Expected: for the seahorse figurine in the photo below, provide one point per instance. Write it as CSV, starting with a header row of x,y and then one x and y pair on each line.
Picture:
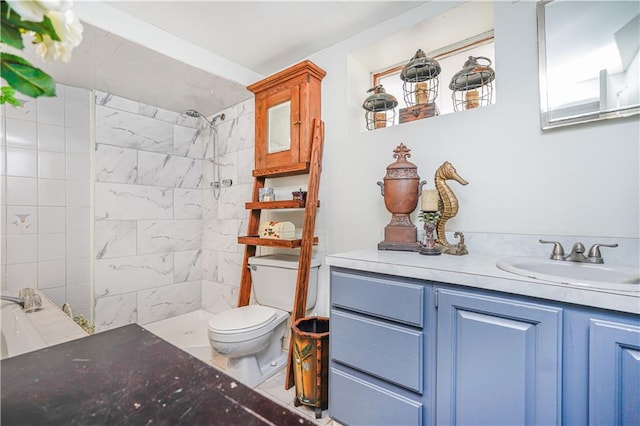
x,y
448,207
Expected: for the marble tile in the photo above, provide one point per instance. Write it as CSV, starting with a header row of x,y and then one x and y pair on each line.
x,y
242,134
187,203
168,116
245,164
168,301
168,235
115,311
232,201
116,102
222,234
169,170
229,267
123,201
210,265
79,296
218,297
126,274
129,130
116,164
187,265
187,142
228,166
114,238
22,220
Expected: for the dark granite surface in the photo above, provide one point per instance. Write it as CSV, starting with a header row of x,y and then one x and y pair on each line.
x,y
127,376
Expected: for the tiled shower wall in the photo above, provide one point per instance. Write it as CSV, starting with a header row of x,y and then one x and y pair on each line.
x,y
46,197
148,212
226,218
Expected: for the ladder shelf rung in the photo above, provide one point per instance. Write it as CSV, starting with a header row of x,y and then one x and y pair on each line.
x,y
254,240
284,204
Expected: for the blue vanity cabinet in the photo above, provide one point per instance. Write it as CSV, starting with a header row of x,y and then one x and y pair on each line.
x,y
614,372
499,360
381,367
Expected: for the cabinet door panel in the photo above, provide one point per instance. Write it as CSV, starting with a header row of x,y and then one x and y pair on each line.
x,y
390,352
614,373
399,301
362,403
498,361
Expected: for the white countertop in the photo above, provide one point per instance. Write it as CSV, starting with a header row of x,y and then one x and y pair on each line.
x,y
480,271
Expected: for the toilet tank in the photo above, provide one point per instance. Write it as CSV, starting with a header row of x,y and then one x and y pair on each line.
x,y
274,280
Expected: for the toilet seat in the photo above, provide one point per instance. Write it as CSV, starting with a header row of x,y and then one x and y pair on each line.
x,y
242,321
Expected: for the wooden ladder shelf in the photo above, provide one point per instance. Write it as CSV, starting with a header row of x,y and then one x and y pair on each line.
x,y
305,243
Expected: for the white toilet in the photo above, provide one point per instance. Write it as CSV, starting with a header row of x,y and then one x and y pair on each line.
x,y
251,336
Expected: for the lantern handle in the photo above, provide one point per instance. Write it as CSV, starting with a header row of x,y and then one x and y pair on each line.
x,y
485,58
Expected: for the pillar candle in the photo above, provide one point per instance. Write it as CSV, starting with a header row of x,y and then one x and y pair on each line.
x,y
429,201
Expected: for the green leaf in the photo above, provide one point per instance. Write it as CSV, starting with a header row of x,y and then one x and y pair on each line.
x,y
7,95
11,36
12,19
26,78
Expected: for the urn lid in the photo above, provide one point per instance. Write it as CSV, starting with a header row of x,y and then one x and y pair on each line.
x,y
402,168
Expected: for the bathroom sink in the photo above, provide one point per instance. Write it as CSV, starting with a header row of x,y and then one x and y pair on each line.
x,y
583,274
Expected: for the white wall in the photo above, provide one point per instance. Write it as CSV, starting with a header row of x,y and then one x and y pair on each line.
x,y
582,180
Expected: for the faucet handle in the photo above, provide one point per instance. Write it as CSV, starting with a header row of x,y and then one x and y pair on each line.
x,y
558,251
594,252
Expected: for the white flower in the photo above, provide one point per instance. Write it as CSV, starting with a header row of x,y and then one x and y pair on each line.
x,y
69,30
34,10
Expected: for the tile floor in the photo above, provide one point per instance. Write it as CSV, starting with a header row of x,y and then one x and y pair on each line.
x,y
273,388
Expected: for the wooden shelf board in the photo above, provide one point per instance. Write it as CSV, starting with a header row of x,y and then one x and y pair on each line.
x,y
292,170
254,240
284,204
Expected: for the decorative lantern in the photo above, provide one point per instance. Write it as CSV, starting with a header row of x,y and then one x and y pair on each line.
x,y
380,108
420,80
473,85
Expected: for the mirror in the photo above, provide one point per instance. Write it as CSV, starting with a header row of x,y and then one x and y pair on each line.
x,y
279,128
588,59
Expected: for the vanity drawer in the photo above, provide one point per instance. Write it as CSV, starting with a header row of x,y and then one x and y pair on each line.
x,y
387,298
353,401
390,352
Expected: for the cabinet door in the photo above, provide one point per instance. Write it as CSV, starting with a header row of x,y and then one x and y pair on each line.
x,y
498,361
614,373
278,127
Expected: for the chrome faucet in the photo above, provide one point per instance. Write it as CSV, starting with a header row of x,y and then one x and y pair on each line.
x,y
577,252
28,299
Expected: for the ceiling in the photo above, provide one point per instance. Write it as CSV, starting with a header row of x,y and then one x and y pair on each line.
x,y
261,36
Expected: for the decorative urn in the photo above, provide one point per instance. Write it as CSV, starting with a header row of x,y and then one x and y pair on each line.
x,y
401,188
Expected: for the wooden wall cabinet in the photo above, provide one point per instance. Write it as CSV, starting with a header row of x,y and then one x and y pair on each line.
x,y
286,104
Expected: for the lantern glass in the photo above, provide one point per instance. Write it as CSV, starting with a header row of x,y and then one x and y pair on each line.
x,y
472,87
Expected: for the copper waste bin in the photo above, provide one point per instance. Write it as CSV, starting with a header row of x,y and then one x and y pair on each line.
x,y
311,362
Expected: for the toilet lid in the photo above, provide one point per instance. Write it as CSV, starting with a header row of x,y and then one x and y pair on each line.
x,y
245,318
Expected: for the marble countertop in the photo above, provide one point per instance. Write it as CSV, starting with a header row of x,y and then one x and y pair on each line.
x,y
128,375
480,271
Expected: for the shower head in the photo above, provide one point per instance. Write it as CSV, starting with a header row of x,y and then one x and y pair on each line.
x,y
195,114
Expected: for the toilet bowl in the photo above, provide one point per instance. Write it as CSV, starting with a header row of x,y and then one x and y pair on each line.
x,y
251,336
